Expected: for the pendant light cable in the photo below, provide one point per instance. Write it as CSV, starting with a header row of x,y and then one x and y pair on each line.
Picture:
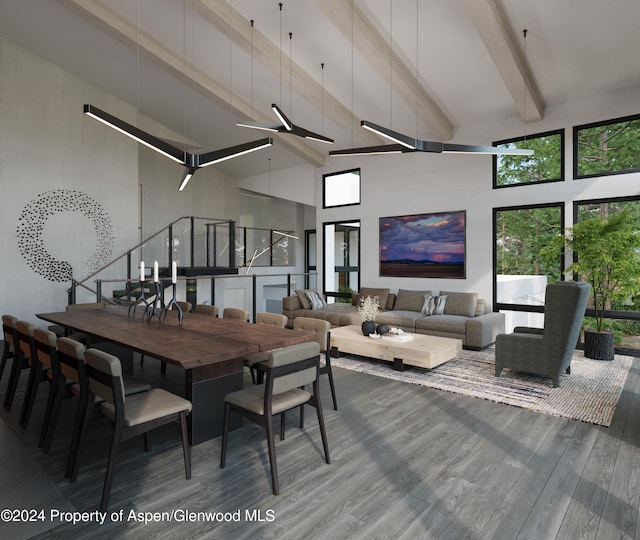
x,y
524,83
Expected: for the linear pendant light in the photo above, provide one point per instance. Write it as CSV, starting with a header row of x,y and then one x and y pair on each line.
x,y
160,146
404,144
285,125
417,145
191,161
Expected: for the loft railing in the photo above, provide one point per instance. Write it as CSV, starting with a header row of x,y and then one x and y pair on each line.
x,y
196,243
253,292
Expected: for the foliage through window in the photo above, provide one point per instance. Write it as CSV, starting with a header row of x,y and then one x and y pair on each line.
x,y
623,320
545,165
522,269
611,147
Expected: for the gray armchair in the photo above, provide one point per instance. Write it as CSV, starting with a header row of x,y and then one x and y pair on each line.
x,y
547,351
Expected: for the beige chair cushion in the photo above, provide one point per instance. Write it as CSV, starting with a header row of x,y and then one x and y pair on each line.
x,y
252,399
184,306
133,385
48,338
272,319
148,406
235,314
319,326
107,363
206,309
10,321
289,355
252,359
27,329
74,349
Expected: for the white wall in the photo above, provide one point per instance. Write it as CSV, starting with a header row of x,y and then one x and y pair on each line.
x,y
423,183
48,145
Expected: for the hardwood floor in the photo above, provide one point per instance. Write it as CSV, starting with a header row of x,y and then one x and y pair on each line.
x,y
406,462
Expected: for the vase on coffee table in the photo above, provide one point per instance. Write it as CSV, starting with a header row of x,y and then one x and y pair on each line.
x,y
368,327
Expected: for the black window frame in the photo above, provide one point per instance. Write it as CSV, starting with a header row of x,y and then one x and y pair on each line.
x,y
497,306
337,173
560,132
576,129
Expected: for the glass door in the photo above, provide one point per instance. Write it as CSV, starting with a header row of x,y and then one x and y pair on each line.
x,y
341,257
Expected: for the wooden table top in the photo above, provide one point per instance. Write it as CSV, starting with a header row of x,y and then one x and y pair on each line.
x,y
201,340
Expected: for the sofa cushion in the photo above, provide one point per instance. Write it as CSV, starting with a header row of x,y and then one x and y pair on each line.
x,y
443,324
302,296
463,304
382,294
481,307
400,318
434,305
410,300
316,300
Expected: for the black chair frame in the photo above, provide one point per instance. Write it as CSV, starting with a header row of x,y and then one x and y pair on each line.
x,y
266,420
122,433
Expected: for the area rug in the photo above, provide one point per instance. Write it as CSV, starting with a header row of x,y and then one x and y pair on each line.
x,y
590,393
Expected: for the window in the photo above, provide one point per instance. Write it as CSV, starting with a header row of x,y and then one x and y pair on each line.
x,y
341,189
623,316
341,257
603,148
545,165
522,270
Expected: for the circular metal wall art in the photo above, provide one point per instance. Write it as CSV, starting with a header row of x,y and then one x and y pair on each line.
x,y
31,227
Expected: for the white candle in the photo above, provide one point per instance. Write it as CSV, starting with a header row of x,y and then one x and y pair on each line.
x,y
141,270
174,272
155,272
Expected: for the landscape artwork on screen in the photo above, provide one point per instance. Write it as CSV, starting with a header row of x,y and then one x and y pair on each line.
x,y
423,245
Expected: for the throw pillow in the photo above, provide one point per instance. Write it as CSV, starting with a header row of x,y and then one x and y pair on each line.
x,y
316,300
382,294
434,305
410,300
302,296
463,304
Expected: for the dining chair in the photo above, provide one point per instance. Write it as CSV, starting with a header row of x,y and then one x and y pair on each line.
x,y
236,314
322,331
24,349
206,309
286,370
10,340
134,415
250,360
70,356
184,306
42,369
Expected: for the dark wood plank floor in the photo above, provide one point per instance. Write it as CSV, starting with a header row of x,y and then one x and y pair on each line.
x,y
407,462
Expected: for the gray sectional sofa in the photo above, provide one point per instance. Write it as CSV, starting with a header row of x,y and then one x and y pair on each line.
x,y
464,316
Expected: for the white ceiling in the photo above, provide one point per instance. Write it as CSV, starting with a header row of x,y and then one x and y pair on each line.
x,y
464,52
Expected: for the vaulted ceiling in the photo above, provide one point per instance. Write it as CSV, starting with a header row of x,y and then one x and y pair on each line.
x,y
422,67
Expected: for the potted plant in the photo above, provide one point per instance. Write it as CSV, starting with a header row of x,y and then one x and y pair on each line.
x,y
368,311
606,252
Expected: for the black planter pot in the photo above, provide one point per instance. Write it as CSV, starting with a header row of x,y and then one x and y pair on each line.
x,y
599,345
368,327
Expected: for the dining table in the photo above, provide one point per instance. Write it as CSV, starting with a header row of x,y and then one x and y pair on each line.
x,y
210,350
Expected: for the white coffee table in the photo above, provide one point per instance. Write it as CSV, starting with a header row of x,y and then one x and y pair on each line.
x,y
422,350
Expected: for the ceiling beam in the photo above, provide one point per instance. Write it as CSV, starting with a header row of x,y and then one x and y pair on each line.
x,y
377,51
217,13
126,32
489,18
